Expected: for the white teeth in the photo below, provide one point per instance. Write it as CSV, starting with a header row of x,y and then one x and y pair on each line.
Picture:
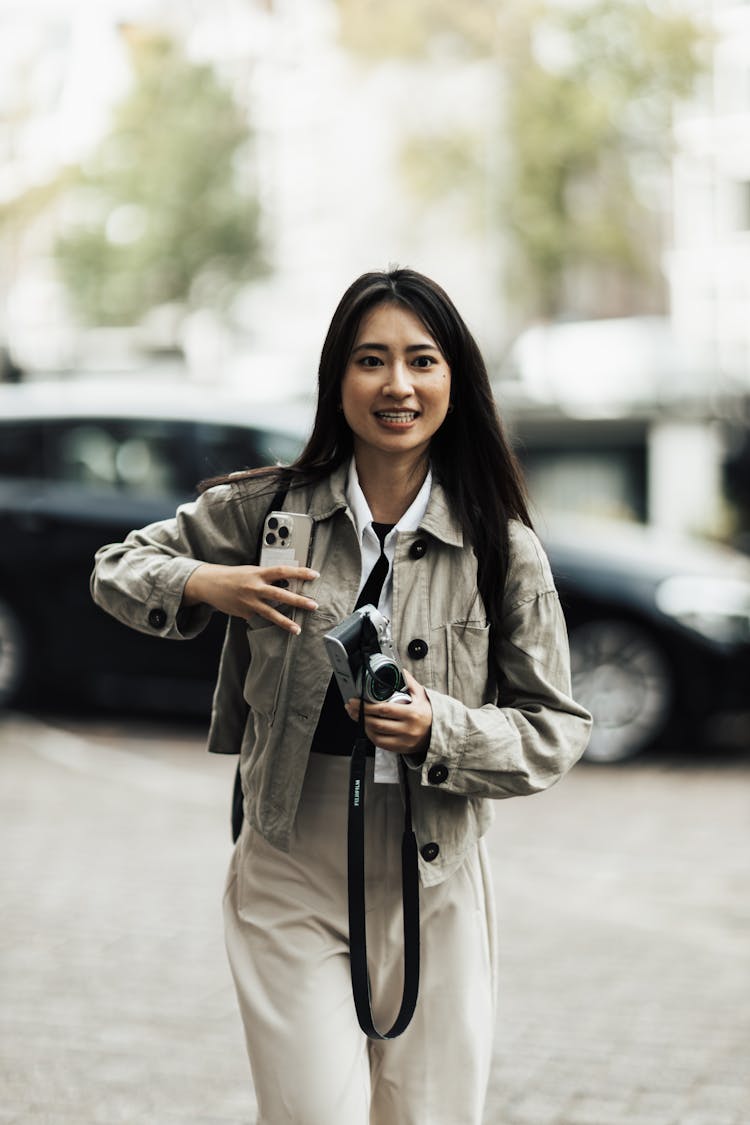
x,y
397,415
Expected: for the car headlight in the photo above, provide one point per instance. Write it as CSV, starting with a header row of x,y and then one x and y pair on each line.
x,y
717,608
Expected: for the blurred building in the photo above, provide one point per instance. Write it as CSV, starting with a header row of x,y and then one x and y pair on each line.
x,y
709,266
643,417
613,420
60,70
649,418
329,134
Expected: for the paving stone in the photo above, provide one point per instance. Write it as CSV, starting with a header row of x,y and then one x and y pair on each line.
x,y
622,909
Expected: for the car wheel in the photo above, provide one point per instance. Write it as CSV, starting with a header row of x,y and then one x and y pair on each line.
x,y
622,677
13,655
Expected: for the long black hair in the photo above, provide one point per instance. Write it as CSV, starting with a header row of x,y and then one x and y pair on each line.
x,y
470,453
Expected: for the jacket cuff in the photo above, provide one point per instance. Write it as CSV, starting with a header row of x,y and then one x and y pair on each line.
x,y
447,741
163,613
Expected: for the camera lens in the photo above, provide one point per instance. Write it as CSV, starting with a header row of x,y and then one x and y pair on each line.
x,y
283,532
273,523
383,678
270,538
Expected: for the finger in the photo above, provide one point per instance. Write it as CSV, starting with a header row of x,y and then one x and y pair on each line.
x,y
412,684
383,724
275,618
385,728
286,597
286,623
393,712
287,573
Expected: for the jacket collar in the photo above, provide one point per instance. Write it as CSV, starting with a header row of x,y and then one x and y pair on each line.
x,y
330,496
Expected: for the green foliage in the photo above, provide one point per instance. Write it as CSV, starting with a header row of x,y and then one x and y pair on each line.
x,y
579,117
588,96
432,166
377,29
166,212
22,210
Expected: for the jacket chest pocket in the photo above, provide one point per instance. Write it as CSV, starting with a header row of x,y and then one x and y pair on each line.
x,y
275,654
269,652
467,654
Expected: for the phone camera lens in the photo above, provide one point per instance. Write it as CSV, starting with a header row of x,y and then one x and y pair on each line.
x,y
283,532
273,523
270,538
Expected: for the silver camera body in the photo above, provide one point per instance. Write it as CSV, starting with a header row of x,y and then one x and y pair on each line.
x,y
364,658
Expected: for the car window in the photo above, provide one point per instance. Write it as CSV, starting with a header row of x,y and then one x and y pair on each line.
x,y
141,457
21,450
137,456
224,449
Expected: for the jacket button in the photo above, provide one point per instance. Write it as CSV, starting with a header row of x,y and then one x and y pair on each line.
x,y
418,649
157,618
436,775
430,852
418,549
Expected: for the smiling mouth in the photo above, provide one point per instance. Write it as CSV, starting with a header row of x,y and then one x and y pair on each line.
x,y
397,415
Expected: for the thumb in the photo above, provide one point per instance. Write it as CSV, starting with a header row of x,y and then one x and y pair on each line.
x,y
412,684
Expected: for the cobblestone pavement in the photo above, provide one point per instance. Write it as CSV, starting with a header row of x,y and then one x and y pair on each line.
x,y
623,900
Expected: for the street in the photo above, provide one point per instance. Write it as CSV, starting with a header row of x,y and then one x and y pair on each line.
x,y
623,898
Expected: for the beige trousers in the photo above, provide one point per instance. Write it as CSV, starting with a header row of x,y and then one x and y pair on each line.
x,y
287,940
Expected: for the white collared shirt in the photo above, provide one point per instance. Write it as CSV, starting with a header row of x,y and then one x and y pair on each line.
x,y
386,763
368,540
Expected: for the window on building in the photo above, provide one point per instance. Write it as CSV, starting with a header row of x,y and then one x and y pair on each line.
x,y
742,207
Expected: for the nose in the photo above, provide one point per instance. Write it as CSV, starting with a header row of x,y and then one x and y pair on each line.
x,y
398,382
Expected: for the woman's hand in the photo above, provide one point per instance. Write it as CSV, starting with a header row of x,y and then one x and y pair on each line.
x,y
403,728
241,591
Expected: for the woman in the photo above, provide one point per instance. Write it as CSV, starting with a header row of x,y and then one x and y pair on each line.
x,y
407,459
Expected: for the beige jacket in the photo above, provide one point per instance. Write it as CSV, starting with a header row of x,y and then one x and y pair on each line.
x,y
478,750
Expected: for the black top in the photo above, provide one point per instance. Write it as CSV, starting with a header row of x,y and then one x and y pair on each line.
x,y
336,732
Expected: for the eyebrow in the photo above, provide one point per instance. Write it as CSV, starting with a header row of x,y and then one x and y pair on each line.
x,y
385,348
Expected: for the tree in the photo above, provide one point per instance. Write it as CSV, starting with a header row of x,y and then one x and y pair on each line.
x,y
590,94
379,29
163,210
587,92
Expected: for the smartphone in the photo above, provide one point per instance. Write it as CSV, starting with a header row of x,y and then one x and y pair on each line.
x,y
287,541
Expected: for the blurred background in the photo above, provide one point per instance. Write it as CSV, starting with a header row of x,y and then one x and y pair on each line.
x,y
186,189
185,192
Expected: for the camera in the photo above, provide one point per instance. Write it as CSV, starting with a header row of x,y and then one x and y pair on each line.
x,y
363,657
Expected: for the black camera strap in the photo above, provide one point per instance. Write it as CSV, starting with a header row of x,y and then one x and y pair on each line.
x,y
409,890
356,855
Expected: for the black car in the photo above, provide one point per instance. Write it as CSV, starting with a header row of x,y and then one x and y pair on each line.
x,y
659,630
82,463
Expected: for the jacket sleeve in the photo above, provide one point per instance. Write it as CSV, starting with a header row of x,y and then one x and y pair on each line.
x,y
141,580
536,735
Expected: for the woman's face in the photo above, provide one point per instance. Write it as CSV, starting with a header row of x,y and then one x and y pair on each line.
x,y
395,391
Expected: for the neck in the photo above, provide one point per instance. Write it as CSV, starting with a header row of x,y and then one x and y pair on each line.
x,y
390,485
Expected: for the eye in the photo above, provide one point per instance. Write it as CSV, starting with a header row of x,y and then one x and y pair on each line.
x,y
371,361
425,361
